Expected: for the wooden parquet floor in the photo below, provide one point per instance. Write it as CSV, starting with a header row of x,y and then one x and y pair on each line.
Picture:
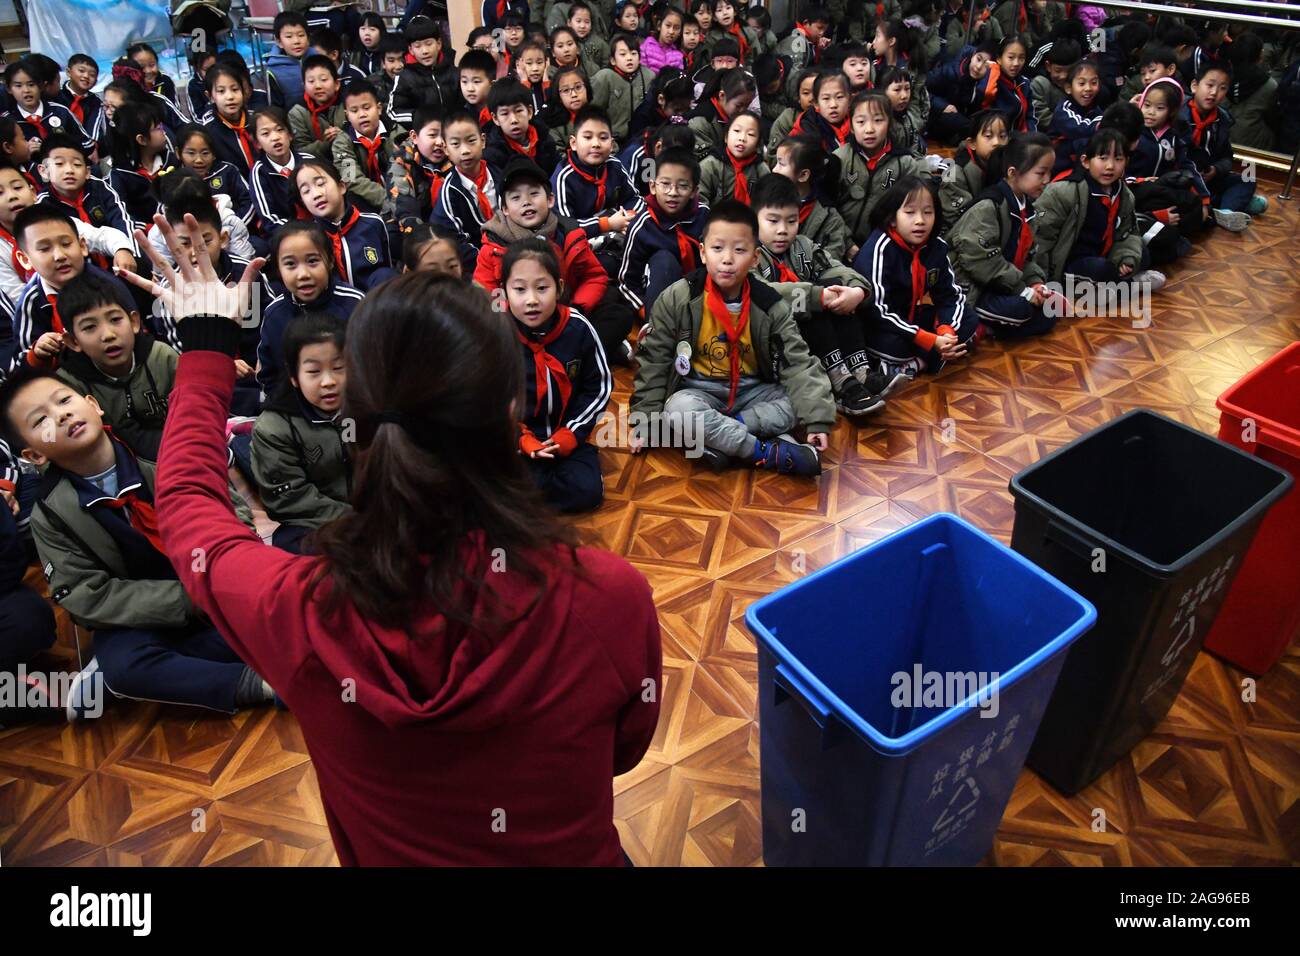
x,y
1217,783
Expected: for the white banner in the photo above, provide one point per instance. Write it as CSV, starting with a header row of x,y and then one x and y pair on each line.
x,y
99,28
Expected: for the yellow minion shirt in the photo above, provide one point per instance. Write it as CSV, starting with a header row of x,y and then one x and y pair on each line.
x,y
712,354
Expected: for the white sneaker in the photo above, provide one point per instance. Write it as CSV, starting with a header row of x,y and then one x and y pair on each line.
x,y
1232,221
1151,278
85,688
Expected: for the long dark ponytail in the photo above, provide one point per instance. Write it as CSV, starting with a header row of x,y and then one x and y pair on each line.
x,y
441,499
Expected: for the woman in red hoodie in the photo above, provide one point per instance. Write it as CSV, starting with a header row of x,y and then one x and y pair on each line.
x,y
467,681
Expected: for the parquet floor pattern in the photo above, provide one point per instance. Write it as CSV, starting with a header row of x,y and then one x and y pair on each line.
x,y
1217,783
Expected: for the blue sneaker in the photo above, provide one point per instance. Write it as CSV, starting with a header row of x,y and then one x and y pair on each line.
x,y
1258,205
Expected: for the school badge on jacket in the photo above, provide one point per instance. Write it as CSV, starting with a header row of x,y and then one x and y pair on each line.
x,y
371,254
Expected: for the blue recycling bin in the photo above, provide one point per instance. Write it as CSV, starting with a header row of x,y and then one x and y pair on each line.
x,y
899,691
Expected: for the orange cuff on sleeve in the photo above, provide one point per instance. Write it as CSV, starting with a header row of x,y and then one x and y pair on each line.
x,y
566,440
925,339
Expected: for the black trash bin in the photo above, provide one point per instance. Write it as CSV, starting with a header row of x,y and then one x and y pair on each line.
x,y
1149,520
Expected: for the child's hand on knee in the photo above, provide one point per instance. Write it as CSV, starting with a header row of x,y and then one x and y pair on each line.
x,y
819,440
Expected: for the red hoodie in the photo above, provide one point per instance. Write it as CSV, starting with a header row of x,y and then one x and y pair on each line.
x,y
452,752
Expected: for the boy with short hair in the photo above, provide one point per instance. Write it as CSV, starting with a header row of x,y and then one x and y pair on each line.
x,y
470,196
477,72
392,61
803,47
1155,61
512,38
430,80
1209,131
590,185
97,536
109,356
50,246
77,94
823,294
418,171
663,241
285,67
515,129
17,194
724,349
1052,86
65,169
366,149
319,117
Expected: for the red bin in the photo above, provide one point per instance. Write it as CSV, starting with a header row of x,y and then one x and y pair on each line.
x,y
1261,615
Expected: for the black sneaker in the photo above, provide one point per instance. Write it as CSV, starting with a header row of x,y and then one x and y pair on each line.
x,y
851,398
787,457
888,379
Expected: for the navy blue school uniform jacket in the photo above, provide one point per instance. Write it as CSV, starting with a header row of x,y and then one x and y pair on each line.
x,y
586,194
584,374
1015,100
51,118
230,268
136,187
198,93
888,266
99,205
339,300
1163,152
1071,128
35,313
651,232
1208,143
236,146
639,162
172,117
271,190
458,209
360,243
85,107
540,148
226,179
950,84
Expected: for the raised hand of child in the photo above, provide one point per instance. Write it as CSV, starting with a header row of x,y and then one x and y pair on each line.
x,y
197,290
48,347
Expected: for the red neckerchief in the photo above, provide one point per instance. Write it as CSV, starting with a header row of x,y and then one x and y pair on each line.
x,y
436,179
480,181
817,51
241,131
722,114
78,202
824,129
56,321
316,112
484,116
597,181
36,187
139,514
1026,238
1201,124
1112,213
36,120
875,159
528,149
741,188
76,108
739,34
991,80
1022,20
783,272
687,248
918,274
1022,119
7,236
336,234
805,209
733,328
975,159
374,149
544,361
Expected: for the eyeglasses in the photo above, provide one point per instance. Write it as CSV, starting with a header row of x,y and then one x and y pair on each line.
x,y
672,188
571,90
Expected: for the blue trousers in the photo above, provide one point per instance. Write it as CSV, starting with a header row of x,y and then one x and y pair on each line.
x,y
572,483
887,341
1012,316
1101,269
1231,192
190,665
26,626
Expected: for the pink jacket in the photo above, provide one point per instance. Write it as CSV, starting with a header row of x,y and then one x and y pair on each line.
x,y
656,56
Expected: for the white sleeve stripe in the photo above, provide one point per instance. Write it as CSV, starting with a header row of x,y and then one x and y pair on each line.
x,y
627,260
606,384
878,285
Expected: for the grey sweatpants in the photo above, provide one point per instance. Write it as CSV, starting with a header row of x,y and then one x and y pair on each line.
x,y
763,408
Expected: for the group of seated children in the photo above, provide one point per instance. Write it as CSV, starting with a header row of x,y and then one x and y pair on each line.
x,y
756,223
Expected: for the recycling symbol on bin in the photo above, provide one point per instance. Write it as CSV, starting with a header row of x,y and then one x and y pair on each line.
x,y
962,799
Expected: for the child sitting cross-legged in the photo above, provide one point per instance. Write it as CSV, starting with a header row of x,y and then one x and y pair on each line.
x,y
97,536
300,458
723,350
567,381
